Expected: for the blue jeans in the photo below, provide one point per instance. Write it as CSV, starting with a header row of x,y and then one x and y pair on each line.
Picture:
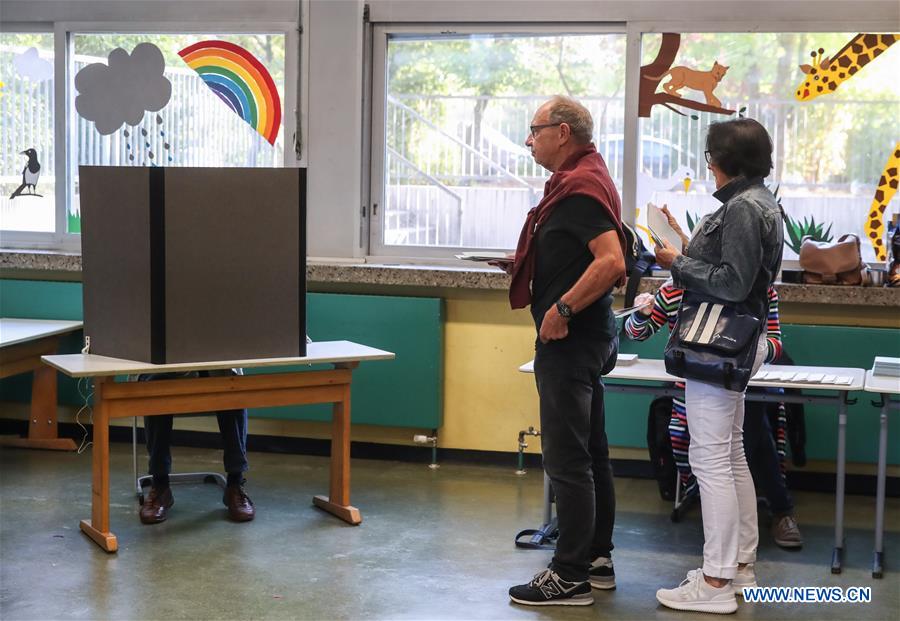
x,y
158,429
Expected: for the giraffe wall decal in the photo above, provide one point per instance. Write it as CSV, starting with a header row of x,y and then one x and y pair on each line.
x,y
823,77
826,74
887,187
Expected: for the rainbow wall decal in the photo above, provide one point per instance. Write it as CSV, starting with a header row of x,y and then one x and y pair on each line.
x,y
240,80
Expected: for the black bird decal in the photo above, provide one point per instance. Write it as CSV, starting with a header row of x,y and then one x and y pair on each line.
x,y
30,174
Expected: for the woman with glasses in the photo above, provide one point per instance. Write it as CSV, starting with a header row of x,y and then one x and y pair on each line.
x,y
733,256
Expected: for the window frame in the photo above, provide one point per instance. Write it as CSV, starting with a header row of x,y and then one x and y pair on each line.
x,y
638,28
295,75
371,234
373,165
41,240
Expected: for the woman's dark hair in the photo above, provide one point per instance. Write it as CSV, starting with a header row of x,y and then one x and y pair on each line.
x,y
740,147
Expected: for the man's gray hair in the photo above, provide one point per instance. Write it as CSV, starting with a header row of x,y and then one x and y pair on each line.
x,y
566,110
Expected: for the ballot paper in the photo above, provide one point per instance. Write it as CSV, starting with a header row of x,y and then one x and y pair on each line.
x,y
843,379
500,257
829,379
623,360
659,224
801,377
816,377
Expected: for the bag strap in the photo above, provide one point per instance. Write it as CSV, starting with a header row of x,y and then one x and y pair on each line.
x,y
634,280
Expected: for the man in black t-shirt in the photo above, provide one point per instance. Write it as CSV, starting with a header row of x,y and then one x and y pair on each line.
x,y
571,254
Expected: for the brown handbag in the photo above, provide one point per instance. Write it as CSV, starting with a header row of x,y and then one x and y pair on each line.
x,y
838,263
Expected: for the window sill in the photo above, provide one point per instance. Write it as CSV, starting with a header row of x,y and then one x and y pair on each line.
x,y
56,265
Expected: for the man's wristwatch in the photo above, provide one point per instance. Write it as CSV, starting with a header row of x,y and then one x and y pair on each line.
x,y
564,309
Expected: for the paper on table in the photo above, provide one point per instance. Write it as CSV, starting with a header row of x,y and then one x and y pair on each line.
x,y
626,359
816,377
829,379
657,221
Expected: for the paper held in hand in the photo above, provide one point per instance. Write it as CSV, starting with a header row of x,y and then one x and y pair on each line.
x,y
625,312
500,257
659,224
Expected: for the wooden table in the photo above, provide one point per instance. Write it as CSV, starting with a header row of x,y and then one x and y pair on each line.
x,y
22,343
645,370
886,386
203,394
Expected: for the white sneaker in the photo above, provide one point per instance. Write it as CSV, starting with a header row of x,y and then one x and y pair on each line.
x,y
694,593
745,578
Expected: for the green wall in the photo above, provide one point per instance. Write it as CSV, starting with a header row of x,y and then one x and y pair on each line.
x,y
404,392
408,391
807,345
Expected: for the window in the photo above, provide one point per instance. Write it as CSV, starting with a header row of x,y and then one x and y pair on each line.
x,y
27,159
231,103
224,118
450,165
829,150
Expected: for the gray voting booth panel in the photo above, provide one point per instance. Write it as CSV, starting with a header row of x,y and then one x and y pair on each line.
x,y
194,264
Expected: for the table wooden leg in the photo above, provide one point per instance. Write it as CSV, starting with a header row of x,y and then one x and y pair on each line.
x,y
42,424
338,501
97,528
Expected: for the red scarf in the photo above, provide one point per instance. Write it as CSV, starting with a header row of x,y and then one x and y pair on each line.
x,y
585,173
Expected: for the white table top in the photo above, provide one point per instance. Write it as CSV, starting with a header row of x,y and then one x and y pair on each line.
x,y
884,384
325,352
655,371
15,331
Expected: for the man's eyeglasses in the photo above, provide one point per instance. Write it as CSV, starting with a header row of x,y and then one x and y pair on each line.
x,y
708,156
534,129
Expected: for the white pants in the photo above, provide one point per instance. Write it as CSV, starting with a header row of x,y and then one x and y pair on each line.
x,y
727,498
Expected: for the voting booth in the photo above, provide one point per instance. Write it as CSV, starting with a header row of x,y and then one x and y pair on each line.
x,y
194,264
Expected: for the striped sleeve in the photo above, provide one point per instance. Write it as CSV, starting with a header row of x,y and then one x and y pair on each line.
x,y
773,328
640,327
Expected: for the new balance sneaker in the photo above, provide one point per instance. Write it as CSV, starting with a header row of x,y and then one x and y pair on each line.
x,y
602,575
548,589
694,593
745,578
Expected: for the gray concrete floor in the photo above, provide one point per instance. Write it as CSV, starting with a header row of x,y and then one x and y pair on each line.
x,y
432,545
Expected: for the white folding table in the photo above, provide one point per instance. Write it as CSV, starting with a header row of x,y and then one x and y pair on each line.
x,y
22,343
645,370
205,394
885,386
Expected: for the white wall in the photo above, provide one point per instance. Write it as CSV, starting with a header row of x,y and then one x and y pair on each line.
x,y
335,127
185,11
695,12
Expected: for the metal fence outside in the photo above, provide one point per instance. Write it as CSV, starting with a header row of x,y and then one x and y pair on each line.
x,y
448,175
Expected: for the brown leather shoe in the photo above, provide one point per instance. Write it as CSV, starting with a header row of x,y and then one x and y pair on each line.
x,y
786,532
240,507
156,506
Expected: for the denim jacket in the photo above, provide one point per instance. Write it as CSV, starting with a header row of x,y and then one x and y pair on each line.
x,y
735,252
